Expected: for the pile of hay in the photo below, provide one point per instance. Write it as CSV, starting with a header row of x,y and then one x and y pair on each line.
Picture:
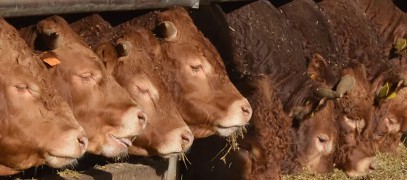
x,y
388,167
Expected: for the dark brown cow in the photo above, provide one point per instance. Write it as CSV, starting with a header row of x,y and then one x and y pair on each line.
x,y
37,126
205,97
391,114
350,40
109,116
314,143
261,52
391,23
279,54
387,18
135,69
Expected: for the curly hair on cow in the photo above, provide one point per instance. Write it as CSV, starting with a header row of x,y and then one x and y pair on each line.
x,y
271,128
292,163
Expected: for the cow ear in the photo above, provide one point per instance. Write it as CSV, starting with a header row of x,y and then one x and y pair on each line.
x,y
317,67
49,37
166,30
107,53
303,111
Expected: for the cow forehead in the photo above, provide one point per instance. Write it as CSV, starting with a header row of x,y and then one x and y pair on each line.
x,y
79,59
144,82
193,56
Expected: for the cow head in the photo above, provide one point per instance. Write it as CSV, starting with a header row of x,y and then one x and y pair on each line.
x,y
391,115
137,71
314,131
109,116
390,92
353,112
356,159
315,139
37,126
206,99
355,116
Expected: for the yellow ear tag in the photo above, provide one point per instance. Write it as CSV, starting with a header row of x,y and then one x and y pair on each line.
x,y
384,91
392,95
52,61
401,44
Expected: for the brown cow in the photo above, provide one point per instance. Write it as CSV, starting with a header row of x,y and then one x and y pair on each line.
x,y
278,56
134,68
37,126
109,116
250,160
204,95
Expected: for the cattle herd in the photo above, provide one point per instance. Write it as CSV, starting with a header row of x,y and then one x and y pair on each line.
x,y
325,84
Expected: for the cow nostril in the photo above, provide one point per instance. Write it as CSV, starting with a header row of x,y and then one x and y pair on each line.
x,y
186,140
247,110
83,143
142,119
372,166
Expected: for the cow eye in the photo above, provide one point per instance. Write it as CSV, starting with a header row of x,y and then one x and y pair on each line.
x,y
21,87
392,121
196,68
143,90
86,76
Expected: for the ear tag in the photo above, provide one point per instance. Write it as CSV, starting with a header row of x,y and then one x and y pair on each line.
x,y
384,91
392,95
401,44
50,60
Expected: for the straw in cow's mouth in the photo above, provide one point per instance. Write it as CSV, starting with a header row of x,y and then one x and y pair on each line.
x,y
232,143
182,157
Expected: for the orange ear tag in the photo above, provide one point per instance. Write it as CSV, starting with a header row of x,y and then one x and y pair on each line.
x,y
52,61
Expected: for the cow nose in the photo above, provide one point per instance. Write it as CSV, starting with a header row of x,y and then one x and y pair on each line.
x,y
247,110
142,117
186,140
372,166
83,143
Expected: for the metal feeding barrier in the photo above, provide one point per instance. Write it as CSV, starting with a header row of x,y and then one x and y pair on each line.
x,y
17,8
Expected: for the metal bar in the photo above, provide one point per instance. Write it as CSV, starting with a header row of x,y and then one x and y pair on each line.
x,y
206,2
14,8
172,170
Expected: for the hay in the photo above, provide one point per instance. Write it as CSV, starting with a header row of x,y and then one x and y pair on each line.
x,y
389,167
231,144
182,157
68,173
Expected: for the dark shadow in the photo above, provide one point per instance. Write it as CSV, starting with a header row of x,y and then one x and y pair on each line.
x,y
98,174
401,4
231,6
278,3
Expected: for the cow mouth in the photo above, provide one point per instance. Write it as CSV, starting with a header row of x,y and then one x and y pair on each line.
x,y
226,131
170,155
125,141
59,161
